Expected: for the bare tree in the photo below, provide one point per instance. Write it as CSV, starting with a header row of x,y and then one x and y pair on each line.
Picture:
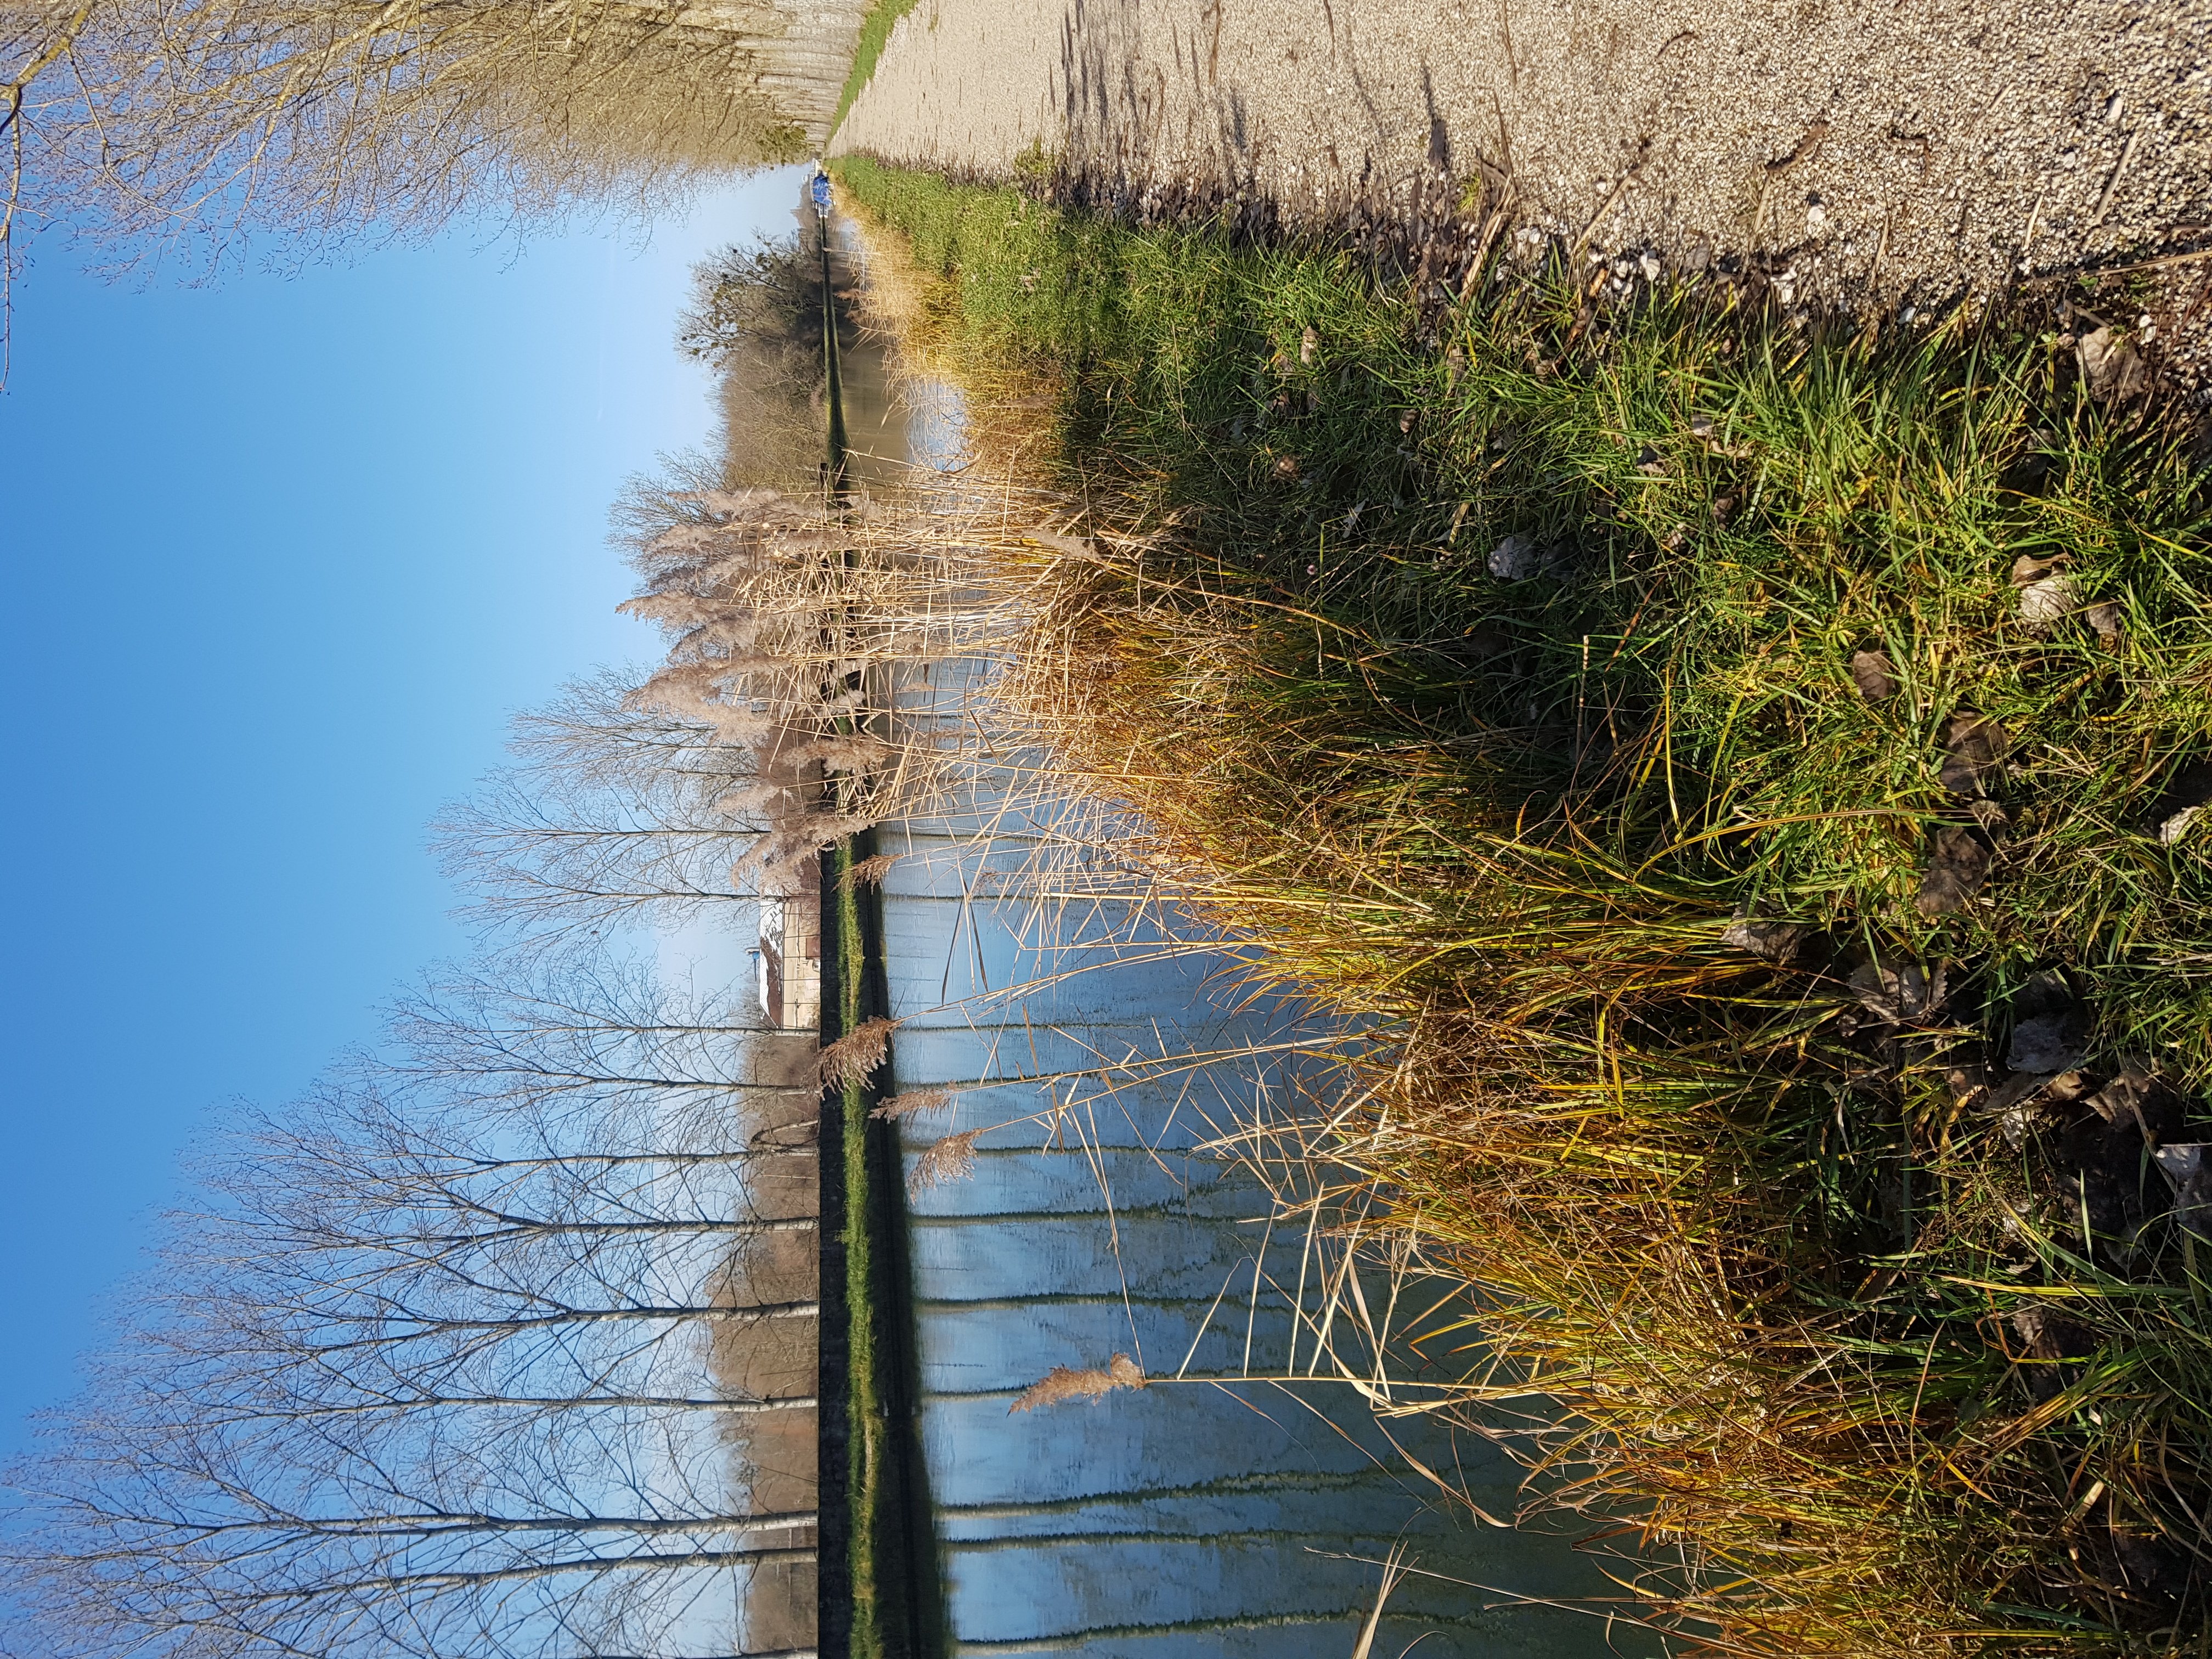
x,y
495,1348
596,730
161,1532
763,298
550,1038
443,1365
612,815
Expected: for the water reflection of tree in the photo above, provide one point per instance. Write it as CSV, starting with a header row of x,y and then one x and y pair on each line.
x,y
755,316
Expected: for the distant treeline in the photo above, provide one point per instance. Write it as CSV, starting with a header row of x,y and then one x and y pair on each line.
x,y
756,318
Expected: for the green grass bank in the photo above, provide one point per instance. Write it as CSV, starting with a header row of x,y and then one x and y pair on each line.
x,y
878,1573
1750,766
875,34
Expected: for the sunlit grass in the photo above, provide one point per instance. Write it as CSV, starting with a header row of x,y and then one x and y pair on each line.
x,y
1489,666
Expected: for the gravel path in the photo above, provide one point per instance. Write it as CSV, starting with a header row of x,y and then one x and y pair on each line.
x,y
1904,148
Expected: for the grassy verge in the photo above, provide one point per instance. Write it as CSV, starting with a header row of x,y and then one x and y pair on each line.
x,y
879,1572
1749,768
861,1188
875,33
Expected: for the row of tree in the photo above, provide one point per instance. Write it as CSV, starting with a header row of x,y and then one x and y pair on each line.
x,y
500,1342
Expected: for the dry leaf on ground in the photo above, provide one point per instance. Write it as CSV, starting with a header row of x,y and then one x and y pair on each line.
x,y
2111,365
2044,605
1777,941
1515,559
1972,746
1899,995
1957,865
1873,674
2189,1173
2048,1043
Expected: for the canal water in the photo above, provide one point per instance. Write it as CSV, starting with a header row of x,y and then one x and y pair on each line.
x,y
1241,1502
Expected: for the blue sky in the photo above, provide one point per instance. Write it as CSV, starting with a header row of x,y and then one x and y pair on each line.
x,y
282,556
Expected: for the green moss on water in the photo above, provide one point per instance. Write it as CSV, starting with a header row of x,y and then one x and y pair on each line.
x,y
864,1495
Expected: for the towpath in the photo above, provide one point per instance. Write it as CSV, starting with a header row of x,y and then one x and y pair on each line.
x,y
1905,149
